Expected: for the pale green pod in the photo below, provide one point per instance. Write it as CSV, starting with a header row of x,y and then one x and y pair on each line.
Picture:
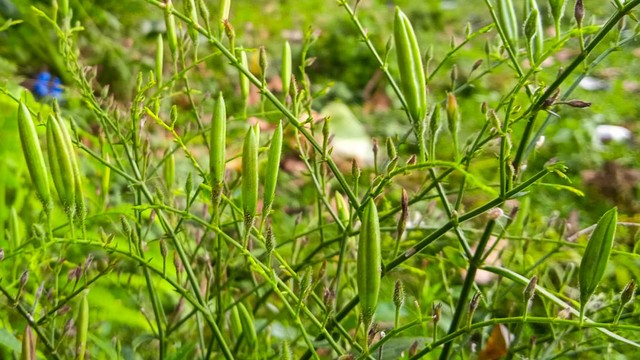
x,y
33,155
159,59
225,7
82,328
28,345
217,146
537,41
369,262
60,165
248,328
234,321
411,69
508,21
342,208
80,207
286,68
596,256
170,23
192,11
244,81
273,166
250,175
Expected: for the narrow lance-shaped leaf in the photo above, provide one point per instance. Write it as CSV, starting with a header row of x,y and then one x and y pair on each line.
x,y
273,165
33,155
369,262
596,256
411,69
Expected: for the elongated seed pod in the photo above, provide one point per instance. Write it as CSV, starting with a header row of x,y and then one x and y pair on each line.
x,y
60,165
170,23
250,176
537,39
273,165
411,69
192,12
82,328
342,208
508,21
169,169
33,155
248,328
286,68
244,81
596,256
80,207
225,7
159,59
234,321
369,262
28,345
217,147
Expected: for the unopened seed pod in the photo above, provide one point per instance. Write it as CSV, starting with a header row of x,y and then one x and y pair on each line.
x,y
286,68
159,59
369,262
596,256
192,12
234,321
342,208
411,69
80,207
225,7
250,176
273,165
538,38
248,328
204,13
508,21
170,23
60,164
244,81
82,328
218,145
28,345
169,168
33,155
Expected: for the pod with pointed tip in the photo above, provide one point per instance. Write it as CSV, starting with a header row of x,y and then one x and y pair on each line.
x,y
217,146
248,328
28,345
60,165
273,165
82,328
286,68
369,262
33,155
412,75
250,175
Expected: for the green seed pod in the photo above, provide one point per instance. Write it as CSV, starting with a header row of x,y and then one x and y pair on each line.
x,y
263,60
273,165
596,256
28,345
205,14
170,23
557,9
218,145
61,165
342,208
80,207
508,21
398,294
191,11
285,352
248,328
33,155
82,328
14,228
159,59
369,263
225,7
286,68
538,39
169,169
250,176
244,81
411,70
391,149
234,321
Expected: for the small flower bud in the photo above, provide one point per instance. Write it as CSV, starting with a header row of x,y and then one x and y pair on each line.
x,y
391,149
578,12
628,292
530,290
398,294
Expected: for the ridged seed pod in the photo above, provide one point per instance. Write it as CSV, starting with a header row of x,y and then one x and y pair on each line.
x,y
369,262
28,345
217,147
273,165
248,328
250,176
33,155
60,165
410,65
82,328
80,207
286,68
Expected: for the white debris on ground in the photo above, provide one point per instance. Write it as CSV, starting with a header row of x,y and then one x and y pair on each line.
x,y
611,133
350,137
593,84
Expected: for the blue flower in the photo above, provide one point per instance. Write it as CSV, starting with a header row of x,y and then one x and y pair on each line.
x,y
44,86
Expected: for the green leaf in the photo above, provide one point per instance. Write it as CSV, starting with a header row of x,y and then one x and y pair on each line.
x,y
596,256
